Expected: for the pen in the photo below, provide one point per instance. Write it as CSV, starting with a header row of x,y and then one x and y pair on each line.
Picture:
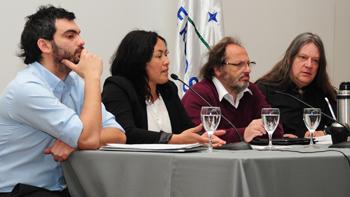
x,y
330,108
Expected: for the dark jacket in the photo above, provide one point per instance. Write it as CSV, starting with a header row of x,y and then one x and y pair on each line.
x,y
291,110
129,108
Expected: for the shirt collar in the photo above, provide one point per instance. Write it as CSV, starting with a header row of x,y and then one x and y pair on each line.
x,y
52,80
149,102
223,93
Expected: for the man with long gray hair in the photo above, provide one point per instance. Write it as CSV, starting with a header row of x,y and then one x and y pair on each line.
x,y
301,73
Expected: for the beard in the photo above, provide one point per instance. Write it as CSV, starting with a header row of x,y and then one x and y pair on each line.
x,y
233,83
59,54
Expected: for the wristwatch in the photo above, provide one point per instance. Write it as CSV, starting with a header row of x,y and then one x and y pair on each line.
x,y
165,137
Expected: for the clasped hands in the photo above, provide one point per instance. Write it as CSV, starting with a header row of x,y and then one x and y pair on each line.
x,y
59,150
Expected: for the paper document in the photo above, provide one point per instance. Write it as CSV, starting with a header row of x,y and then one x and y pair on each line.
x,y
154,147
275,147
326,139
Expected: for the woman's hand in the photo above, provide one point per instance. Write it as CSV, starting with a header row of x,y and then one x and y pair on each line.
x,y
216,141
188,136
191,135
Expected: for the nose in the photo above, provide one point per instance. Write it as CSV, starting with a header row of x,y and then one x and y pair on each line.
x,y
308,63
166,60
81,42
247,68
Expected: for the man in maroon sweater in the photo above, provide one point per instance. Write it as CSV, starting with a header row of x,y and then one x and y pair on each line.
x,y
226,84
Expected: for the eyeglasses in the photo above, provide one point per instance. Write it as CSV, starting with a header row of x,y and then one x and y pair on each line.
x,y
241,64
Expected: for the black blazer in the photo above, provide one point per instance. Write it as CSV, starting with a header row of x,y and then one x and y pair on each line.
x,y
129,108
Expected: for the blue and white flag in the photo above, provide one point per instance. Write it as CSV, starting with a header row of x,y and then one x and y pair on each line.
x,y
199,26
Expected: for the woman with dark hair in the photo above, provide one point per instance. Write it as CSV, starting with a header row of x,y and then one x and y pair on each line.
x,y
301,73
143,99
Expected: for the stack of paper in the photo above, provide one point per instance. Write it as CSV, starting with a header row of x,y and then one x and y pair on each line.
x,y
154,147
326,139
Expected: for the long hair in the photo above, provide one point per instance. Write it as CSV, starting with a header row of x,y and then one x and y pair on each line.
x,y
131,57
279,76
40,25
217,56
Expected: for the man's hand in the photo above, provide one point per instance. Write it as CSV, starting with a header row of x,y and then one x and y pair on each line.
x,y
288,135
59,150
89,66
255,128
316,134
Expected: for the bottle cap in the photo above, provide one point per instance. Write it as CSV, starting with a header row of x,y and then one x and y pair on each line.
x,y
344,86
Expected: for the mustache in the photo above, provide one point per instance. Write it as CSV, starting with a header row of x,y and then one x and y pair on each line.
x,y
79,50
244,75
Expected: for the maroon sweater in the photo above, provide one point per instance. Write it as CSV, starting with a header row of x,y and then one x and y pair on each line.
x,y
249,108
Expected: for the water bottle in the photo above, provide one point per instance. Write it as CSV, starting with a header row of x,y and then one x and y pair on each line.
x,y
343,103
340,133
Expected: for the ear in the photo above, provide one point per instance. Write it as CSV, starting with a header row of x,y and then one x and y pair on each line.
x,y
44,45
218,71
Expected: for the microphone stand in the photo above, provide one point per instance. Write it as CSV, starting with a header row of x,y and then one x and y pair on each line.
x,y
241,145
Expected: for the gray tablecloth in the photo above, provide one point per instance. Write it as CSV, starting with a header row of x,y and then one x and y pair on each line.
x,y
219,174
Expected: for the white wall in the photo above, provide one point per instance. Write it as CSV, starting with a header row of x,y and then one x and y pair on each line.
x,y
265,27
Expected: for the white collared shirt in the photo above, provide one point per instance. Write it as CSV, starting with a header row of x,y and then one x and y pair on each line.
x,y
158,116
223,93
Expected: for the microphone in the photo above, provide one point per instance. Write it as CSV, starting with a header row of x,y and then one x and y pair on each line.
x,y
335,135
242,145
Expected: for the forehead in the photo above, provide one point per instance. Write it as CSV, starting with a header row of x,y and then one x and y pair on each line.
x,y
64,25
160,45
310,49
235,52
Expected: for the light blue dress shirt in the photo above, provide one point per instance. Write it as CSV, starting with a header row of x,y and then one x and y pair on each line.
x,y
35,109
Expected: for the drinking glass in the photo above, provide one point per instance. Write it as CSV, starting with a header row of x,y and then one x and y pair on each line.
x,y
270,117
210,117
312,118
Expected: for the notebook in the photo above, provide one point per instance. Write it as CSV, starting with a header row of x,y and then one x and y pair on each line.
x,y
282,141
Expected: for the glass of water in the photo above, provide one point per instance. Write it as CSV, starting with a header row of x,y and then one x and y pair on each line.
x,y
312,118
271,118
210,117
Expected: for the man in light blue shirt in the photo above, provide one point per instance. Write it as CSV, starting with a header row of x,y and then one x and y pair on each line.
x,y
51,107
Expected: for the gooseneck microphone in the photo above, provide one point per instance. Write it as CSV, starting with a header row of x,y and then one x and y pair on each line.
x,y
303,102
175,77
242,145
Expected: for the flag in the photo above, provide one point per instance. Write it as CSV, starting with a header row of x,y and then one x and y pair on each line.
x,y
199,26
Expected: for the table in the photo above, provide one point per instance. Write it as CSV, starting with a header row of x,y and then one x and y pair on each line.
x,y
249,173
